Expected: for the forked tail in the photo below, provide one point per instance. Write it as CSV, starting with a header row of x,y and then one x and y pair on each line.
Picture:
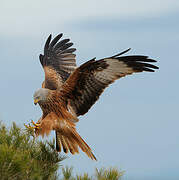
x,y
70,140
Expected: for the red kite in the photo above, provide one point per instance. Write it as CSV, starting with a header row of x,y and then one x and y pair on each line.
x,y
69,91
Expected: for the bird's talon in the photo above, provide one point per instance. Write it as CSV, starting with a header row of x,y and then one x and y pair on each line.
x,y
35,125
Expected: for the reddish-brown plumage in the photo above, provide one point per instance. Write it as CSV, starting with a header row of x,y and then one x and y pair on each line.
x,y
72,91
57,117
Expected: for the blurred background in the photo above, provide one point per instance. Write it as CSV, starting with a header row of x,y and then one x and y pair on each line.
x,y
134,125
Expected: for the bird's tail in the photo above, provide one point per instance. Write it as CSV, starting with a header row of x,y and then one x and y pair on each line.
x,y
70,141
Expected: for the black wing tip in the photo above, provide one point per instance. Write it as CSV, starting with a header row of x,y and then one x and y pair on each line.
x,y
148,59
41,58
143,69
55,40
50,36
154,67
143,66
148,69
66,40
60,34
119,54
149,66
141,57
47,43
139,63
49,39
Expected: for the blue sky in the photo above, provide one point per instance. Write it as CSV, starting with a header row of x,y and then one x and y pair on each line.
x,y
134,125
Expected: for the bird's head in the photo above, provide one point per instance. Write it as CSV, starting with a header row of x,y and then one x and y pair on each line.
x,y
40,95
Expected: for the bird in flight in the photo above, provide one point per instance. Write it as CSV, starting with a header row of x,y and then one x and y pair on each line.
x,y
69,91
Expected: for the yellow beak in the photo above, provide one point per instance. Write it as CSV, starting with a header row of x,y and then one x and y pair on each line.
x,y
36,101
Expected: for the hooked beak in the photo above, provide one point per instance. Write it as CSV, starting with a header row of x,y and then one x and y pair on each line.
x,y
36,101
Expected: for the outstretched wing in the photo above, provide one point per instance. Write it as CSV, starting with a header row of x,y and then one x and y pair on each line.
x,y
87,82
58,61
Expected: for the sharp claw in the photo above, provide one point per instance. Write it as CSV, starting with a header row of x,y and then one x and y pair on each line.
x,y
35,125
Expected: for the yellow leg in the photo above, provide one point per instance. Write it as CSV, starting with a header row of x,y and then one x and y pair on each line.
x,y
35,125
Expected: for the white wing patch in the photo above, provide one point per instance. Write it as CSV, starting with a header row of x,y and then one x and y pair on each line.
x,y
115,70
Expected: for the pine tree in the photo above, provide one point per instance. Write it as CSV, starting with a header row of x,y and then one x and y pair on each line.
x,y
23,157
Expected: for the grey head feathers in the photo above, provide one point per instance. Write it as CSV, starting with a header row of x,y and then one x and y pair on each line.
x,y
41,94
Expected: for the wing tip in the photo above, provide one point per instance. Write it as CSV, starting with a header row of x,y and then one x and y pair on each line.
x,y
119,54
41,59
55,40
47,43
